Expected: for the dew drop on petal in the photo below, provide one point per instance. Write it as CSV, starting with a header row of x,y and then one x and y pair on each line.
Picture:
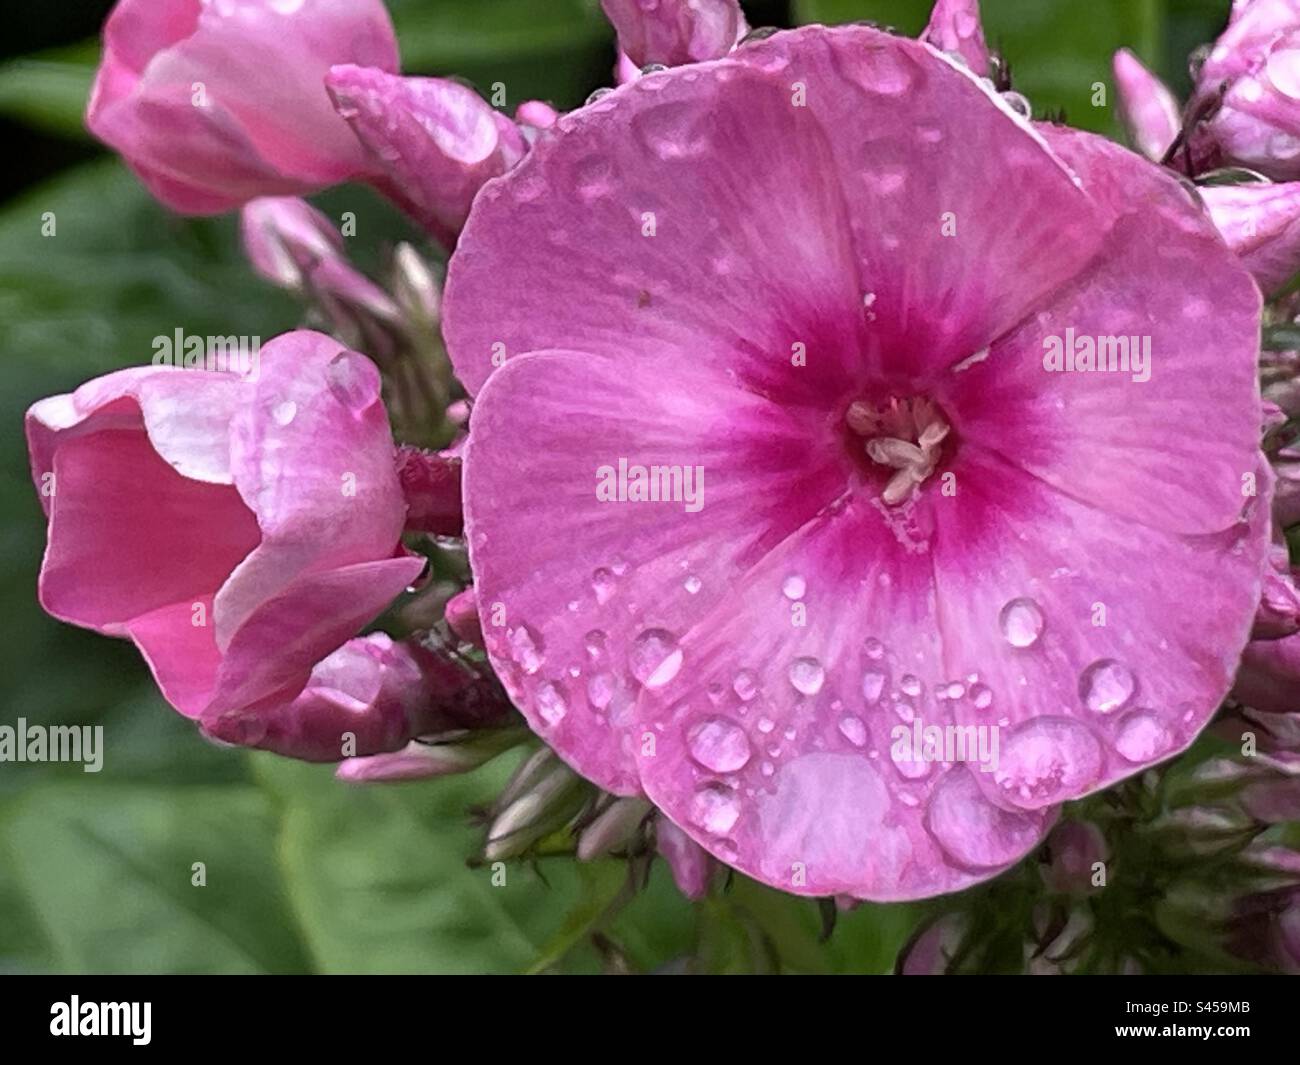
x,y
1021,622
807,675
874,648
793,587
655,658
550,703
285,412
1143,737
853,730
603,585
353,380
745,685
523,649
715,809
766,725
1107,686
981,695
693,584
600,690
594,641
910,685
873,683
719,745
1047,760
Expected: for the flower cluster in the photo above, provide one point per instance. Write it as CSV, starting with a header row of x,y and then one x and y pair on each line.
x,y
837,469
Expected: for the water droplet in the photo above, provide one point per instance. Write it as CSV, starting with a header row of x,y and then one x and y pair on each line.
x,y
745,685
523,649
981,695
767,769
853,730
1143,737
1047,760
693,584
597,94
719,745
1107,686
594,641
807,675
766,725
874,648
603,585
549,701
873,683
1283,68
285,412
793,587
353,380
600,690
911,685
655,658
715,809
955,689
1022,622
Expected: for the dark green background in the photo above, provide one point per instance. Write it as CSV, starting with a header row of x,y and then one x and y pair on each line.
x,y
303,874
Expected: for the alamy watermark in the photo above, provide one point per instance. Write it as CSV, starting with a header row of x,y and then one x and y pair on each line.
x,y
631,483
1075,353
919,742
53,743
223,354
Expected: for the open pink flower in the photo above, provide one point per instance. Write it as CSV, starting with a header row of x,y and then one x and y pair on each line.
x,y
213,104
778,279
238,529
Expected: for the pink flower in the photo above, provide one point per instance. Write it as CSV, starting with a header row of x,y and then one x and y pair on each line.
x,y
673,32
778,279
1149,110
370,696
955,28
438,141
213,104
1261,223
1249,84
238,529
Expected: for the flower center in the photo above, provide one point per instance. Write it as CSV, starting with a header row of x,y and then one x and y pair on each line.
x,y
903,434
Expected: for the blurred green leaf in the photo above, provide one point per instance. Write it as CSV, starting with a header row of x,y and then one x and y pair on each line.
x,y
109,871
49,90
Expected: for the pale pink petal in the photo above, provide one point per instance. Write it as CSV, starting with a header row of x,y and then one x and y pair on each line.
x,y
675,31
955,27
1149,110
1261,223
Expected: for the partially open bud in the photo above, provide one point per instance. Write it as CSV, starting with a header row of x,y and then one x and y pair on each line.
x,y
955,28
613,829
431,484
673,32
431,758
1076,853
1147,108
545,806
1279,605
461,614
691,865
285,237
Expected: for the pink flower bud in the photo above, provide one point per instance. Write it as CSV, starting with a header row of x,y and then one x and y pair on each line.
x,y
673,32
1261,223
238,528
431,484
462,617
1279,605
284,236
1249,85
1150,112
1073,850
691,865
955,28
437,140
213,105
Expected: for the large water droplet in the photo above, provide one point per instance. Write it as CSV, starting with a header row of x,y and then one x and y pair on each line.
x,y
715,809
1022,622
807,675
550,703
1047,760
1143,737
794,587
693,584
353,380
1107,686
719,745
655,658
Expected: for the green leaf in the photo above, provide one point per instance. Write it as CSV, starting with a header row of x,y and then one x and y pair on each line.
x,y
49,90
378,878
109,872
